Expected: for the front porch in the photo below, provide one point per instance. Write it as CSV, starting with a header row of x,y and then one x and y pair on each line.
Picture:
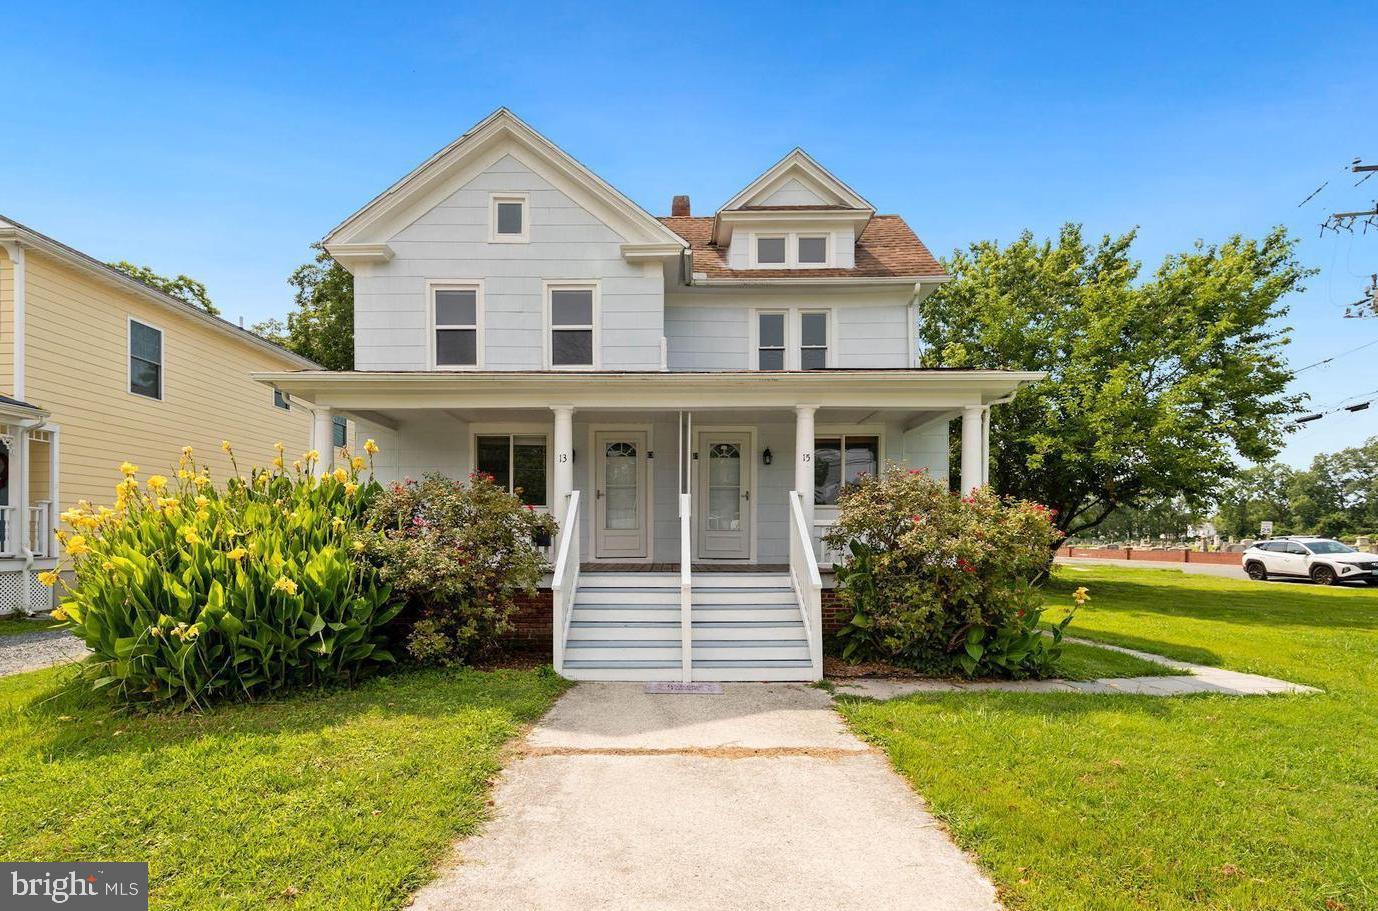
x,y
692,506
28,506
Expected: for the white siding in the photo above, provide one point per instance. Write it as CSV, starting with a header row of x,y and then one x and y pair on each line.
x,y
450,242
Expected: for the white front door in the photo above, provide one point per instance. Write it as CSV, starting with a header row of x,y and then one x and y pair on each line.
x,y
723,469
619,482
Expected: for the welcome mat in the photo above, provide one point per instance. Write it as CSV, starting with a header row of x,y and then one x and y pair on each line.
x,y
697,689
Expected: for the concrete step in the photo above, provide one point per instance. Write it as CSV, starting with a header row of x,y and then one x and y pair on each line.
x,y
753,673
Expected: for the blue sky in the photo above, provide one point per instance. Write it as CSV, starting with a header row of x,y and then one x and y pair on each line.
x,y
222,143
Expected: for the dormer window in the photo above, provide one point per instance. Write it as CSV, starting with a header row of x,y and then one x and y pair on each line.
x,y
770,251
508,219
813,249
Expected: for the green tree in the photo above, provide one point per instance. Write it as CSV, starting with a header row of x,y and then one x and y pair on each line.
x,y
1256,494
322,326
183,287
1154,387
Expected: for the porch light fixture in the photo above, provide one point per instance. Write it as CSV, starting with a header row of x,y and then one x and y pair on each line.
x,y
766,457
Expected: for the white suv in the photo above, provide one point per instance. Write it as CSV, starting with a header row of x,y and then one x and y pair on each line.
x,y
1321,560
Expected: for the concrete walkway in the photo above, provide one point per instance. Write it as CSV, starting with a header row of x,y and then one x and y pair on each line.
x,y
1197,678
758,798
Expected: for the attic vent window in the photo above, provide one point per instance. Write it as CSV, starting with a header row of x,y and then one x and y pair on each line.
x,y
508,219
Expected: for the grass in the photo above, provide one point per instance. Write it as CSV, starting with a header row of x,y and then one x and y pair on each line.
x,y
1087,662
13,624
1123,802
339,800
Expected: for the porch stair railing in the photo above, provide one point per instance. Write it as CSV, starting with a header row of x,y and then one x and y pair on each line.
x,y
564,582
808,582
686,590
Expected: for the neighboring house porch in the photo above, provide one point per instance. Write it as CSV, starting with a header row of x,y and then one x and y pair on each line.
x,y
28,494
690,477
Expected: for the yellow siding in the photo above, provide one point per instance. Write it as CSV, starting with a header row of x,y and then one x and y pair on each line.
x,y
6,324
77,369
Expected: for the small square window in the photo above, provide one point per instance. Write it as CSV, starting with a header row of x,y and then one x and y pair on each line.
x,y
280,400
813,251
770,251
507,218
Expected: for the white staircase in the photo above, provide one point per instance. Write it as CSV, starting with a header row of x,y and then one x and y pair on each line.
x,y
745,626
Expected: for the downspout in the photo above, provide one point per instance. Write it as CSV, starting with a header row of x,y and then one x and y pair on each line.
x,y
16,255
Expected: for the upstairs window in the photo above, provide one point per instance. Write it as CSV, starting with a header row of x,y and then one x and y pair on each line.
x,y
770,251
517,464
813,250
508,219
770,341
813,340
280,400
572,323
145,360
840,460
455,312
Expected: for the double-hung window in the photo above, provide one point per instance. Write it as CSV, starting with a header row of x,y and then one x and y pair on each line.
x,y
455,313
770,341
840,460
573,317
516,462
813,340
145,360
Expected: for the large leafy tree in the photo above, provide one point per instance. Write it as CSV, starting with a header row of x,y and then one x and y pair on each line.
x,y
322,325
1154,387
183,287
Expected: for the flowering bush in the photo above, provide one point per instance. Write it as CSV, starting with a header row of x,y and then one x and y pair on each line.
x,y
941,582
460,553
189,593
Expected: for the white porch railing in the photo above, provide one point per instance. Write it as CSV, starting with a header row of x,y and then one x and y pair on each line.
x,y
827,556
548,551
564,580
808,583
39,528
686,590
9,538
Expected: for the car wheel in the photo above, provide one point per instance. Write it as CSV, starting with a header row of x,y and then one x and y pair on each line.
x,y
1323,575
1256,571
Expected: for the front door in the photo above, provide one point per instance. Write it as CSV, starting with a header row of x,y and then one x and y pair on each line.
x,y
724,495
620,529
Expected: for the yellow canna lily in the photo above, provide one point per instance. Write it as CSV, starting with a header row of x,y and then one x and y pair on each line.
x,y
285,585
370,447
239,553
49,578
76,546
225,445
341,475
358,463
129,470
156,482
351,488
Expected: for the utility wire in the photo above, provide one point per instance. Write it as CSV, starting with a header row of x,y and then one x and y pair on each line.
x,y
1327,360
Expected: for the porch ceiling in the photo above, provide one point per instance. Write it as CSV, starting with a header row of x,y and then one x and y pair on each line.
x,y
860,390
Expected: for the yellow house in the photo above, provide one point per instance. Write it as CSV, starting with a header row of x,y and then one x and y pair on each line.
x,y
97,369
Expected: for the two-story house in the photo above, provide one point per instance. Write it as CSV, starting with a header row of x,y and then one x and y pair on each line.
x,y
99,369
687,394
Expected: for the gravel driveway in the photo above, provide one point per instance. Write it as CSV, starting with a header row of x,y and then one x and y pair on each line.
x,y
38,649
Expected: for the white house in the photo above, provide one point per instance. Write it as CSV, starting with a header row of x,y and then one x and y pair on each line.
x,y
686,394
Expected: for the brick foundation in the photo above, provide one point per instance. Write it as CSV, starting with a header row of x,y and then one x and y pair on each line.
x,y
532,632
1218,558
834,613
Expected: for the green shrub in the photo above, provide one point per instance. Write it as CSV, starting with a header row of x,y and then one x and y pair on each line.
x,y
188,593
460,553
940,582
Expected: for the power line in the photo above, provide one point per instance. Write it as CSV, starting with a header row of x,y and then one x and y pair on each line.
x,y
1333,357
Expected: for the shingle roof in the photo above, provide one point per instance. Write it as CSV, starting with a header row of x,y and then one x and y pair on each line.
x,y
886,248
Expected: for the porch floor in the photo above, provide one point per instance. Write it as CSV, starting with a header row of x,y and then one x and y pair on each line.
x,y
693,567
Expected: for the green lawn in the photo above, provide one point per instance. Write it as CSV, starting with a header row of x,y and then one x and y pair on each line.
x,y
1124,802
12,624
1087,662
335,801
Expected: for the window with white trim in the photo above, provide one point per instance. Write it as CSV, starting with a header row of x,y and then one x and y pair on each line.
x,y
508,218
280,400
812,249
813,340
571,326
517,463
840,460
770,340
455,313
770,250
145,360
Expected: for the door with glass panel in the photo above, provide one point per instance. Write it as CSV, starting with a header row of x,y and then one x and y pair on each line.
x,y
620,514
723,470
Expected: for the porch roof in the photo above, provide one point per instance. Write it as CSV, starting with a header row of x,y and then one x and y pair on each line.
x,y
874,388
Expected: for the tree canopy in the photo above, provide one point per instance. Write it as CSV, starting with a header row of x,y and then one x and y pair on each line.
x,y
1154,387
322,325
183,287
1337,495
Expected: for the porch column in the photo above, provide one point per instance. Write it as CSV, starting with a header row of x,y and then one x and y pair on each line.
x,y
803,459
973,442
563,461
323,440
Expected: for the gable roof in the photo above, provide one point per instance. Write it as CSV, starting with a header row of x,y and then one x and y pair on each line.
x,y
886,248
795,165
441,174
12,230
